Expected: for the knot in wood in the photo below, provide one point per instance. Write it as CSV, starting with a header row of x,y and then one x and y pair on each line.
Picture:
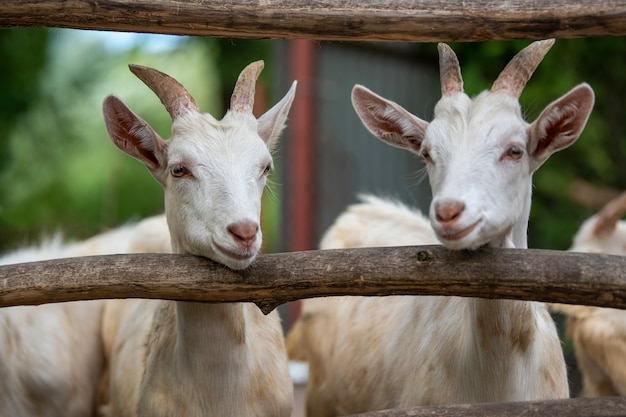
x,y
424,256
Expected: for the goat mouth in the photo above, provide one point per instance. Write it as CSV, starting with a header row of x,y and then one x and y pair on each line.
x,y
240,255
450,235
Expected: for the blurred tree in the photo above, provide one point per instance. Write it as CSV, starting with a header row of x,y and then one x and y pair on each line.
x,y
23,58
597,156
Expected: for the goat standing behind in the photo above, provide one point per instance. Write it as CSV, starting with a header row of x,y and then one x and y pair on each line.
x,y
51,355
200,359
389,352
599,334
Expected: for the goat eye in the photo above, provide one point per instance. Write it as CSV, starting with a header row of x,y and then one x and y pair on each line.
x,y
514,152
179,171
426,155
267,169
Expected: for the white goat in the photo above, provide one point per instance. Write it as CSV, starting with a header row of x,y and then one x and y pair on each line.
x,y
379,222
201,359
599,334
51,355
50,359
376,353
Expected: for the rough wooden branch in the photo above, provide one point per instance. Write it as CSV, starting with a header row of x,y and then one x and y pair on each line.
x,y
574,278
575,407
398,20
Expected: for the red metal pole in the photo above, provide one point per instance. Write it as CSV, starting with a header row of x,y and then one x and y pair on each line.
x,y
300,217
301,187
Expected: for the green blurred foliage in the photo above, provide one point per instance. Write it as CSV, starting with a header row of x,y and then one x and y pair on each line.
x,y
597,156
20,72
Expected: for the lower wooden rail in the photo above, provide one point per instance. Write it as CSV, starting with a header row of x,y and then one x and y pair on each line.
x,y
575,407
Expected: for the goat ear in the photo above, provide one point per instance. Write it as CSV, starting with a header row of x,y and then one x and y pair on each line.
x,y
272,122
560,124
134,136
388,121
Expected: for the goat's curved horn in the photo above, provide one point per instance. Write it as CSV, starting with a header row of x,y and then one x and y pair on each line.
x,y
449,71
243,94
172,94
609,215
516,74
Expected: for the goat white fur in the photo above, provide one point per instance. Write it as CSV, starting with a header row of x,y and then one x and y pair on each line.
x,y
379,222
50,359
377,353
51,355
197,359
599,334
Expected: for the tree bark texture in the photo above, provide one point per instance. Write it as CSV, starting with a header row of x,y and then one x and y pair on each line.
x,y
371,20
273,279
575,407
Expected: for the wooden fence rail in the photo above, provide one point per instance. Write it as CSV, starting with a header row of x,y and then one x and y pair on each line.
x,y
553,276
397,20
575,407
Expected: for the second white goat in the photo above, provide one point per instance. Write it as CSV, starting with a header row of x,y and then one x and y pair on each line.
x,y
389,352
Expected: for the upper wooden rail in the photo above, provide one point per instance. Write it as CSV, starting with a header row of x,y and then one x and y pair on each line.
x,y
541,275
388,20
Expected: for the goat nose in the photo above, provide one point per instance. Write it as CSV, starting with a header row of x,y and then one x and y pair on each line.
x,y
243,233
448,211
